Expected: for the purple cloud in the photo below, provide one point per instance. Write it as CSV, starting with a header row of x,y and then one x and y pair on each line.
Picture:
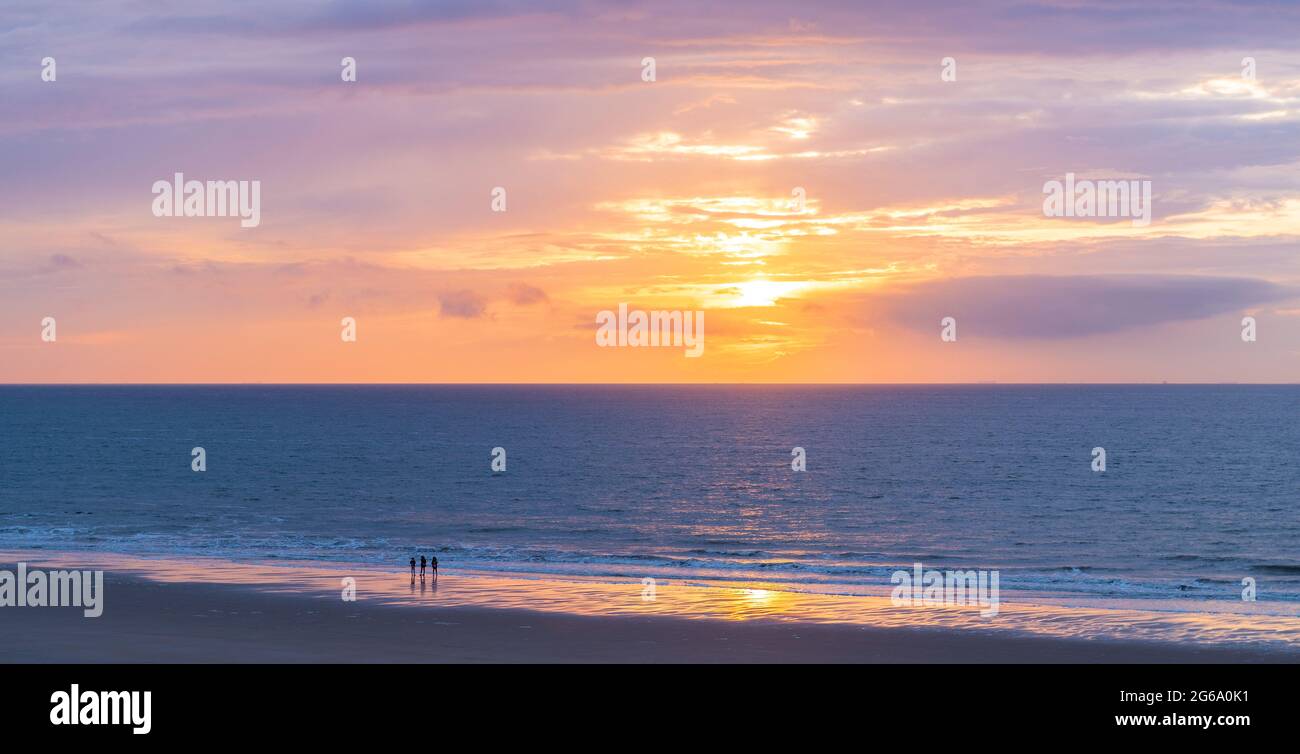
x,y
523,294
463,304
1042,306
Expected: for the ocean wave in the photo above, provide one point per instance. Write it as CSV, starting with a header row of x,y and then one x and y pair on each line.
x,y
795,569
862,570
1285,569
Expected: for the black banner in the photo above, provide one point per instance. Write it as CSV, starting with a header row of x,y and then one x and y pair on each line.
x,y
317,703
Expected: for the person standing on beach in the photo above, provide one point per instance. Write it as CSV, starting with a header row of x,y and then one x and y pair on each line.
x,y
412,570
422,563
434,560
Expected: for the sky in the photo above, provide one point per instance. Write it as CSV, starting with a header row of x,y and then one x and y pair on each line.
x,y
922,197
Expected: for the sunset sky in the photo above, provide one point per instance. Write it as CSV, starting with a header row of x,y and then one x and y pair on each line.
x,y
924,197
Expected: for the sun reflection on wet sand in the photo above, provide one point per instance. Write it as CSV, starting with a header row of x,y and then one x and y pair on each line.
x,y
1269,625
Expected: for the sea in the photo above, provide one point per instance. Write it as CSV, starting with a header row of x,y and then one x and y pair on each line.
x,y
695,484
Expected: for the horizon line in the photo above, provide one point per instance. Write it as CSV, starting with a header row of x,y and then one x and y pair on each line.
x,y
982,383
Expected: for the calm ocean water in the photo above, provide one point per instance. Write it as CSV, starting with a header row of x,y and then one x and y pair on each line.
x,y
685,483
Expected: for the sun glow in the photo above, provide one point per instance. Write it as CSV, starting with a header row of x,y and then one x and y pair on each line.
x,y
759,292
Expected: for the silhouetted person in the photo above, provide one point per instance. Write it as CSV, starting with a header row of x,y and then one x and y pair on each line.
x,y
422,564
434,560
412,570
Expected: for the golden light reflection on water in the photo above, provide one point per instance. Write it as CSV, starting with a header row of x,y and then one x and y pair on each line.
x,y
1267,624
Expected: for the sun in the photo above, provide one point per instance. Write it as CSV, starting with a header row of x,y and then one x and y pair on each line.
x,y
760,292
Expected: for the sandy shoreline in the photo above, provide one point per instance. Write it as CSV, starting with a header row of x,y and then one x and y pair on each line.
x,y
159,621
